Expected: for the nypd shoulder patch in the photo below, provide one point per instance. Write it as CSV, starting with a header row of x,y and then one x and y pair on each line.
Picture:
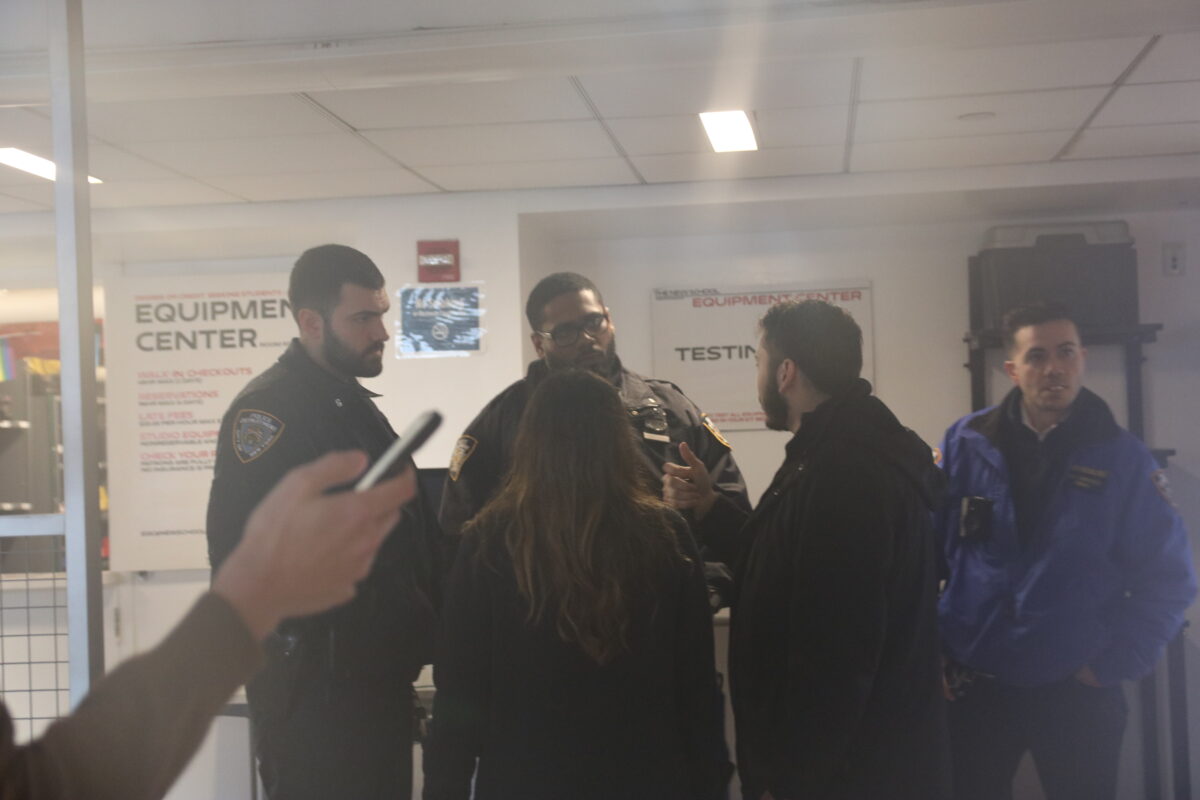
x,y
254,433
711,427
463,449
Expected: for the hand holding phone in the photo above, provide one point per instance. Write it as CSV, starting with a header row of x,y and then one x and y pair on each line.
x,y
402,449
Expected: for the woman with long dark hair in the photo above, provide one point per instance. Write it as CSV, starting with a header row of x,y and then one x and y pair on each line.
x,y
576,659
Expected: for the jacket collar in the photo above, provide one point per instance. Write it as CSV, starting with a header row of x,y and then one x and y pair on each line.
x,y
816,423
1090,419
296,358
634,391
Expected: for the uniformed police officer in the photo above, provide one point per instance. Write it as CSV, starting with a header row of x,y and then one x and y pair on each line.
x,y
332,710
573,328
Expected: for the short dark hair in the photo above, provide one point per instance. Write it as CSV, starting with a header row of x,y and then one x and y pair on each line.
x,y
320,273
822,339
551,287
1035,313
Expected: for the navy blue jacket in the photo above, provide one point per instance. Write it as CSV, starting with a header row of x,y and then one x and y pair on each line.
x,y
1105,579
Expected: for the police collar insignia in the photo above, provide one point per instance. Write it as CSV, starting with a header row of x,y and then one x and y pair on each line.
x,y
254,432
463,449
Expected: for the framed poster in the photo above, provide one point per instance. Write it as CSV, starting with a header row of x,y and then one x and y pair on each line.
x,y
705,339
179,349
437,321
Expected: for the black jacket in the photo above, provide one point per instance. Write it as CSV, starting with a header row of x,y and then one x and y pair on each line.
x,y
546,722
292,413
834,660
657,409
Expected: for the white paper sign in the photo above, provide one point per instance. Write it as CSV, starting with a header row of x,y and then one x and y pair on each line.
x,y
179,349
705,338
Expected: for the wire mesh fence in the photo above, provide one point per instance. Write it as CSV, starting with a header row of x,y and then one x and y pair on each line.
x,y
33,632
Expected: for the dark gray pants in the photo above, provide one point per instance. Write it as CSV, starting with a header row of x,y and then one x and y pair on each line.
x,y
1073,731
337,748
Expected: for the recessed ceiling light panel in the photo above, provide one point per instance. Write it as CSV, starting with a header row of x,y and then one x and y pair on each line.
x,y
729,131
34,165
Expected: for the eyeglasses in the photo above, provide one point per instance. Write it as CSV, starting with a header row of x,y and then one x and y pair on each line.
x,y
567,333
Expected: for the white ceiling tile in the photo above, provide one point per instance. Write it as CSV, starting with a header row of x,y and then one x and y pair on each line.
x,y
998,69
196,118
15,205
40,192
721,86
1138,140
120,194
731,166
104,162
1176,57
312,185
1151,103
126,194
265,156
11,176
641,136
485,144
532,174
968,151
1064,109
801,127
526,100
26,129
111,164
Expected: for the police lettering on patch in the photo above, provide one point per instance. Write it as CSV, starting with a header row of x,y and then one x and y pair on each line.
x,y
254,432
1163,485
463,449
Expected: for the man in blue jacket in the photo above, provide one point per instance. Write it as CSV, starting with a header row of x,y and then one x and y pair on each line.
x,y
1068,571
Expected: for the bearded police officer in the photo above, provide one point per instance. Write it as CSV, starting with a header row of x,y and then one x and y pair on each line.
x,y
332,710
572,328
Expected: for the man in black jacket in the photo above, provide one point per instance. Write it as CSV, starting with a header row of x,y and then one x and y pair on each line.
x,y
834,661
332,710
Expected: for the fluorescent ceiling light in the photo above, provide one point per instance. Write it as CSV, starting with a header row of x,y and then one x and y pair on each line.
x,y
729,131
34,165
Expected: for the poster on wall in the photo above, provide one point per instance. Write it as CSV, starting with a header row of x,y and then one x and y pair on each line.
x,y
705,339
438,321
179,349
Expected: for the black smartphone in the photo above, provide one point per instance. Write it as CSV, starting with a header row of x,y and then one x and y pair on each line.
x,y
402,449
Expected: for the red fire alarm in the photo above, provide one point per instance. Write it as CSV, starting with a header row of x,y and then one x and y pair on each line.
x,y
437,262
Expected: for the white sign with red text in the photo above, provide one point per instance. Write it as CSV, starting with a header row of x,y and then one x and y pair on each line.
x,y
705,339
178,350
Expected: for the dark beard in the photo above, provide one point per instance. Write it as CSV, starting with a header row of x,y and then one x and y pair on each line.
x,y
346,361
605,366
775,407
